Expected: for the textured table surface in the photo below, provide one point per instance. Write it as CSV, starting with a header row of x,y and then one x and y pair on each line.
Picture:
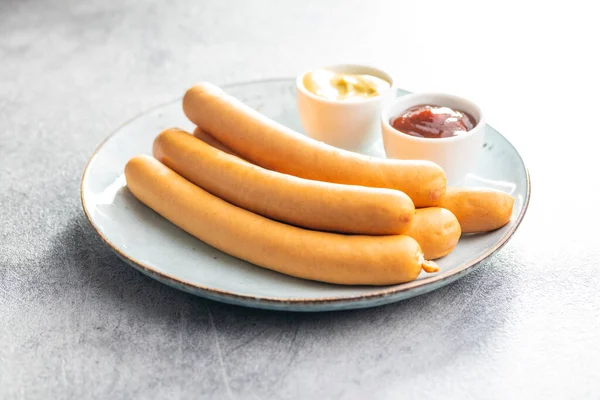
x,y
77,323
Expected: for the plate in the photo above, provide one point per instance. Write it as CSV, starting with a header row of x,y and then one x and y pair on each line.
x,y
159,249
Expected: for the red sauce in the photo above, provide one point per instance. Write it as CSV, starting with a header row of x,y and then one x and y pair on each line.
x,y
430,121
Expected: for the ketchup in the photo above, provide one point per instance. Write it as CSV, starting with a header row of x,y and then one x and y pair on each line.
x,y
431,121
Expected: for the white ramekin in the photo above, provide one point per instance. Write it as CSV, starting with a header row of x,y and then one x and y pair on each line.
x,y
348,124
457,155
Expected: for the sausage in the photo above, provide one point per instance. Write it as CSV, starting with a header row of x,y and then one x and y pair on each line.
x,y
436,230
271,145
308,254
310,204
479,210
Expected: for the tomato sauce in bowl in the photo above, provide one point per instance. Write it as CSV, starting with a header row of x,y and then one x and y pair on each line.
x,y
432,121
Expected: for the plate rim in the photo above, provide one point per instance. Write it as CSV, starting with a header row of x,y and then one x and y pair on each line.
x,y
265,301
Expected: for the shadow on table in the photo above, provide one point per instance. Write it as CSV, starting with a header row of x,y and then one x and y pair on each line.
x,y
431,330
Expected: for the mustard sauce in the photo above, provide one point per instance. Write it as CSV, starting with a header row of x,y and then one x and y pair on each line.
x,y
341,86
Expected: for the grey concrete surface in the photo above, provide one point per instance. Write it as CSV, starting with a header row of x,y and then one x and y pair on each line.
x,y
77,323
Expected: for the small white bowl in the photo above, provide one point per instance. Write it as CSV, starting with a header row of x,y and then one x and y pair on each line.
x,y
347,124
457,155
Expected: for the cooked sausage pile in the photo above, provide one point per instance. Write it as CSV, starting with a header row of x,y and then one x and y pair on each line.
x,y
262,192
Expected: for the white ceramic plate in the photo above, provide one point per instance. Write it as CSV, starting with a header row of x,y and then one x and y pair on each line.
x,y
159,249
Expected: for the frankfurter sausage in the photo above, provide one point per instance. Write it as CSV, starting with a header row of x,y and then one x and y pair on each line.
x,y
436,230
479,210
314,255
311,204
493,210
271,145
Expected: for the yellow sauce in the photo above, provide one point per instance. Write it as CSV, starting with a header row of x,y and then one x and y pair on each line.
x,y
341,86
